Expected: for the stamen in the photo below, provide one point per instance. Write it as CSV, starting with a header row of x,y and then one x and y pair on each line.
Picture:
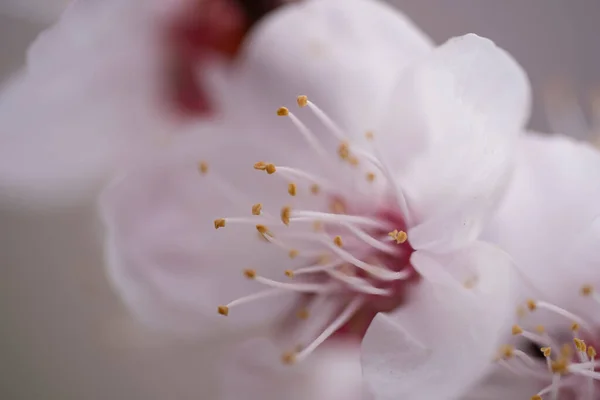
x,y
285,215
379,245
337,323
256,209
296,287
294,172
369,135
399,236
292,189
302,101
219,223
338,241
224,310
325,120
301,215
370,177
318,268
283,112
315,189
203,167
308,135
293,253
358,284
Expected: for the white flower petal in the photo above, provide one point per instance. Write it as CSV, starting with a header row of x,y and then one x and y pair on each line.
x,y
549,217
89,101
467,101
255,372
343,54
442,340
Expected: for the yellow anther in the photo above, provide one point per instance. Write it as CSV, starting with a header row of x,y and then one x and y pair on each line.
x,y
507,351
203,167
399,236
271,169
293,253
337,207
289,273
292,189
531,305
302,314
574,326
546,351
587,290
256,209
516,330
285,215
536,397
591,352
540,329
261,166
338,241
282,111
250,273
560,366
370,176
354,161
344,150
315,189
223,310
288,358
302,101
262,229
369,135
219,223
580,345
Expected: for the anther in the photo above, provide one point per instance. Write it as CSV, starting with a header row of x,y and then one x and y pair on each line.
x,y
580,345
338,241
270,168
370,176
337,207
302,101
256,209
344,151
531,305
399,236
261,166
560,366
250,273
540,329
516,330
591,351
574,326
203,167
354,161
288,358
507,351
536,397
219,223
292,189
289,273
223,310
293,253
546,351
302,314
315,189
587,290
283,112
369,135
285,215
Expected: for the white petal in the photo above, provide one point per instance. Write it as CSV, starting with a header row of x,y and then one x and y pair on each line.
x,y
254,371
343,54
89,101
441,341
166,258
466,102
548,220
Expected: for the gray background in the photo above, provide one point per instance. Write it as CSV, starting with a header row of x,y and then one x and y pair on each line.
x,y
64,336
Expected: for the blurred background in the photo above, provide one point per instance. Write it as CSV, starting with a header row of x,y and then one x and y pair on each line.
x,y
63,335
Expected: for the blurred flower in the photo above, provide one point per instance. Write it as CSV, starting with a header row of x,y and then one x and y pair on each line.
x,y
108,84
371,202
44,11
550,224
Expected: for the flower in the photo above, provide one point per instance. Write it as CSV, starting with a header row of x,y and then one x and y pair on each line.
x,y
106,86
369,198
550,224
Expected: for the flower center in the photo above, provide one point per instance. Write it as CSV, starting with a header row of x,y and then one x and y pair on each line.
x,y
567,361
352,259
